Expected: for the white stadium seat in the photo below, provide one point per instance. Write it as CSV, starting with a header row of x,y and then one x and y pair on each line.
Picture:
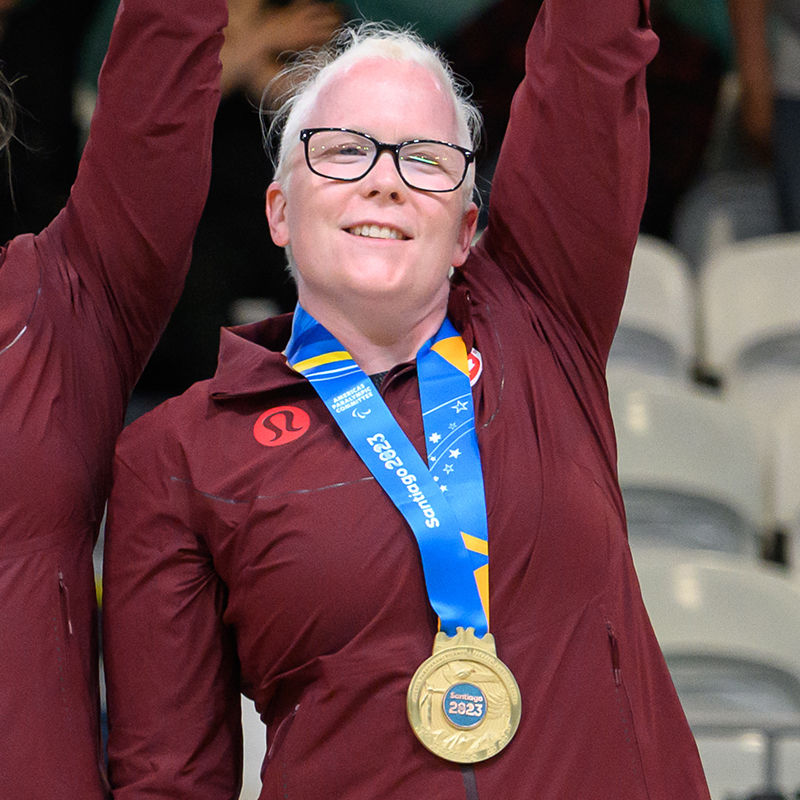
x,y
730,631
657,326
688,466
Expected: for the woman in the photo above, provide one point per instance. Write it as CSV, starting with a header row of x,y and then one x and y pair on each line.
x,y
81,307
311,525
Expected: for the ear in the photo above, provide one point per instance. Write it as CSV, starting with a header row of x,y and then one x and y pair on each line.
x,y
469,224
276,214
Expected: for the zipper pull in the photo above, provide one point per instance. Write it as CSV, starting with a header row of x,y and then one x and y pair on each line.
x,y
62,585
612,639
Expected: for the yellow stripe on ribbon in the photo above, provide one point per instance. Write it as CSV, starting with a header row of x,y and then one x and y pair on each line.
x,y
476,545
482,580
325,358
481,574
454,351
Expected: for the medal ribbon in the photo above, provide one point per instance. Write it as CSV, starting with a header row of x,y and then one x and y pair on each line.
x,y
443,501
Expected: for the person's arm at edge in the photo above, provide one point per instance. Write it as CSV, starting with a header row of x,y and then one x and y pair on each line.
x,y
141,187
753,61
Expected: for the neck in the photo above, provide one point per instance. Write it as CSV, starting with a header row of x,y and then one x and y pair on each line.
x,y
379,339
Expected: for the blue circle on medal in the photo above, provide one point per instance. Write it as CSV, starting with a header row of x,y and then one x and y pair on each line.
x,y
464,705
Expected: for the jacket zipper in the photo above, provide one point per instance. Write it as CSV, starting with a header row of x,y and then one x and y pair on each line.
x,y
614,644
281,731
62,587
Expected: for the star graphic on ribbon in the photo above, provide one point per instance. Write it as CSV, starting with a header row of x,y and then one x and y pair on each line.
x,y
448,468
455,453
443,488
435,438
459,406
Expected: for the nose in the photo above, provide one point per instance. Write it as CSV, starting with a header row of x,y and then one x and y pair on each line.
x,y
384,180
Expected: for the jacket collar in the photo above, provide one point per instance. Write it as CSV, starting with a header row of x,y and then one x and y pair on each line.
x,y
251,357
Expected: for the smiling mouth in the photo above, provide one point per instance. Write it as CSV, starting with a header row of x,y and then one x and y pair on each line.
x,y
377,232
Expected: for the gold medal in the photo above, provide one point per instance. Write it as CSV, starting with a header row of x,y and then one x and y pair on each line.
x,y
463,702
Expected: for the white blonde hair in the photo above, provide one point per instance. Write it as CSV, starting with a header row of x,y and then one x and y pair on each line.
x,y
312,70
7,112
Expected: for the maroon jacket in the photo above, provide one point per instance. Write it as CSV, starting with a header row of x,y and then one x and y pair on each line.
x,y
81,307
249,546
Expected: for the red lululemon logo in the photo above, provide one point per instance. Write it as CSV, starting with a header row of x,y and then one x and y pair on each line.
x,y
475,363
281,425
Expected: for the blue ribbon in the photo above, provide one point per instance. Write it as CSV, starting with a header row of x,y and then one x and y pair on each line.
x,y
443,501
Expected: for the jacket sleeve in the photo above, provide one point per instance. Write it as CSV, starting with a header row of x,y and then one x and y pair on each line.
x,y
170,661
121,246
570,183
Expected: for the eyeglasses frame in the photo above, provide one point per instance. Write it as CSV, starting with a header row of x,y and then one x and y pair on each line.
x,y
394,149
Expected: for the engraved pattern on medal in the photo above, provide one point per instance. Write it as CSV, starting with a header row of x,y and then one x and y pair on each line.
x,y
464,742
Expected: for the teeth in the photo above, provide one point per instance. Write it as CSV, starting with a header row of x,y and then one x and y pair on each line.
x,y
376,232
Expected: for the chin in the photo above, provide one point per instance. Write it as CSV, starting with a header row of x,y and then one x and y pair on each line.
x,y
378,278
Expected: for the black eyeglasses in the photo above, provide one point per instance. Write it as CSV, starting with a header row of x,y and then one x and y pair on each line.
x,y
345,155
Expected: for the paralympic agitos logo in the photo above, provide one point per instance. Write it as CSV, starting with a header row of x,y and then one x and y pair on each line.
x,y
281,425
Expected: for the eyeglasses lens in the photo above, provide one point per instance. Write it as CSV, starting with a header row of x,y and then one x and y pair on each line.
x,y
429,166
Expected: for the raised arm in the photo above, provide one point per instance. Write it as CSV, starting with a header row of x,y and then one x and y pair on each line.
x,y
125,235
570,184
171,667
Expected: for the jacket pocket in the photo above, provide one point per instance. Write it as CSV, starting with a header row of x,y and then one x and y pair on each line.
x,y
624,709
276,766
63,632
66,608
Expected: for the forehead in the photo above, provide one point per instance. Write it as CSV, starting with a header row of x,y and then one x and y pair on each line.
x,y
391,100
